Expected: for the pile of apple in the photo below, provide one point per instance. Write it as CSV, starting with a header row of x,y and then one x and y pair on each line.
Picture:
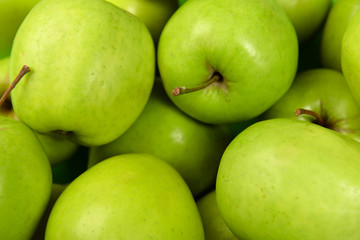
x,y
180,120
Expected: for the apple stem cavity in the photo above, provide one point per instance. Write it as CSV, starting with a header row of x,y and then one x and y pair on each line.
x,y
182,90
301,111
24,70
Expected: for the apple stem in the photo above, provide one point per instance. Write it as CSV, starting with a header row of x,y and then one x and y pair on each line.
x,y
301,111
182,90
24,70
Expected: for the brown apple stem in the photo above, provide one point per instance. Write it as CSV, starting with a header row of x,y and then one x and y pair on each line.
x,y
301,111
24,70
182,90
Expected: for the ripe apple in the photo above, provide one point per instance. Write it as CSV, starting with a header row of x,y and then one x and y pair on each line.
x,y
227,61
56,148
130,196
25,180
307,16
153,13
350,53
336,23
214,226
92,69
193,148
12,13
56,190
325,93
284,179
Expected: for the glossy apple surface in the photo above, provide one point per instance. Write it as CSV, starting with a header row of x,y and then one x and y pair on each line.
x,y
25,180
153,13
131,196
250,48
57,149
92,69
307,16
214,226
193,148
12,13
350,53
335,26
295,179
326,93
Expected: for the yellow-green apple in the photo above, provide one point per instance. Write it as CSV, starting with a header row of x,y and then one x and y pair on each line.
x,y
56,190
350,53
193,148
92,67
335,26
307,16
214,226
325,93
56,148
12,13
129,196
153,13
25,180
284,179
227,61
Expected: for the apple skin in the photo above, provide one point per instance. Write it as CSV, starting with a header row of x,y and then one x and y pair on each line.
x,y
130,196
12,13
350,53
325,92
252,44
56,148
26,179
56,190
193,148
214,226
295,179
335,26
307,16
153,13
88,81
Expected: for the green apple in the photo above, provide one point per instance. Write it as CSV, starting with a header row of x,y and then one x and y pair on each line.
x,y
193,148
232,58
214,226
25,184
307,16
5,108
130,196
284,179
325,93
92,69
56,190
12,13
336,23
350,54
56,148
153,13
